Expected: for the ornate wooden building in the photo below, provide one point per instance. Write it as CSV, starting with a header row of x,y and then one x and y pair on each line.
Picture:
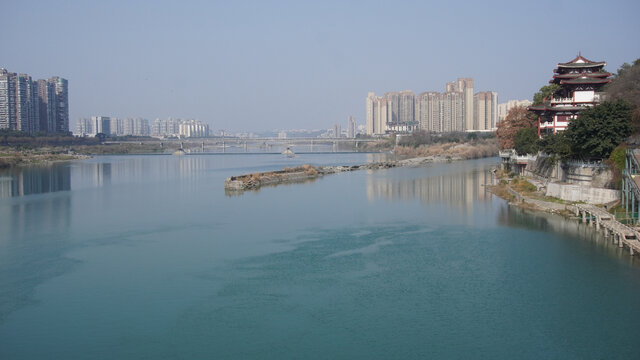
x,y
580,81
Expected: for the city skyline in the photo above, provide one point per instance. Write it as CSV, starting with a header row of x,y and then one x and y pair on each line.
x,y
205,61
458,108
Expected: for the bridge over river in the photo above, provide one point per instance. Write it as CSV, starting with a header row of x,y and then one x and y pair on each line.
x,y
257,145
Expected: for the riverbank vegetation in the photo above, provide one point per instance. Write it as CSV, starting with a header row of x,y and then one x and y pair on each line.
x,y
451,145
26,158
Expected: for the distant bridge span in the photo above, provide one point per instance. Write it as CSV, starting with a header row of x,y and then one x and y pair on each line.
x,y
262,143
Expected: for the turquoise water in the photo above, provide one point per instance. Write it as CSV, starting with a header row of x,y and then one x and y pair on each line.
x,y
136,257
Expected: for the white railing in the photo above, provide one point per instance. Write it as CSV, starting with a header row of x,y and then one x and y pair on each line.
x,y
562,101
585,164
505,153
523,158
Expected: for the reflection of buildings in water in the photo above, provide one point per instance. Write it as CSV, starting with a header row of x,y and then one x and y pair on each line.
x,y
376,157
48,215
94,174
5,186
35,180
138,169
461,189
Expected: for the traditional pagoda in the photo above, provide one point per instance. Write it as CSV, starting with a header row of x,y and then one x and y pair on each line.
x,y
580,80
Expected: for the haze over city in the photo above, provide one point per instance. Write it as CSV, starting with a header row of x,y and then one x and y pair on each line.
x,y
265,65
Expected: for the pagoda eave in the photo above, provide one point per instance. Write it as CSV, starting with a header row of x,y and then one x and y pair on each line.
x,y
557,109
584,81
582,65
595,75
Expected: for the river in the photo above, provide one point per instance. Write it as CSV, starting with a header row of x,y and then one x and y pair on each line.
x,y
136,257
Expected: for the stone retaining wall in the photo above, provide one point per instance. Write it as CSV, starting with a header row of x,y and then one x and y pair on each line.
x,y
590,195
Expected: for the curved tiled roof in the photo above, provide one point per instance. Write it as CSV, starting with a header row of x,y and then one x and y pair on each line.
x,y
592,75
548,107
581,62
584,80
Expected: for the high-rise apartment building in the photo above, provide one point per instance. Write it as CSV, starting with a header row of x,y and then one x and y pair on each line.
x,y
61,104
393,107
27,110
485,110
465,86
428,111
46,100
7,100
453,110
503,109
369,118
165,127
33,106
377,114
136,127
337,131
114,126
101,124
440,112
351,127
406,106
85,128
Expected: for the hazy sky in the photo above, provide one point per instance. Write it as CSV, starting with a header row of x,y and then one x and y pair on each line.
x,y
259,65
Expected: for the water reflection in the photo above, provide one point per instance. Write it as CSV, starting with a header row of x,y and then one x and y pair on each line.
x,y
567,228
98,172
34,180
105,171
459,190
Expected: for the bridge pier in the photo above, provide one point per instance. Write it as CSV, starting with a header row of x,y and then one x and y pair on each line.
x,y
633,207
584,216
620,242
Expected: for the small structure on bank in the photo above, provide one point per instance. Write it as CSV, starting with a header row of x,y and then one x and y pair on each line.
x,y
580,81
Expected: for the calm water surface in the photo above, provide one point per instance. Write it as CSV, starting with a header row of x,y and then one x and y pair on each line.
x,y
147,257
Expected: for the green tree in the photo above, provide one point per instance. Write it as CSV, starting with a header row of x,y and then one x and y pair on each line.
x,y
616,163
526,141
556,144
626,86
600,129
545,92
